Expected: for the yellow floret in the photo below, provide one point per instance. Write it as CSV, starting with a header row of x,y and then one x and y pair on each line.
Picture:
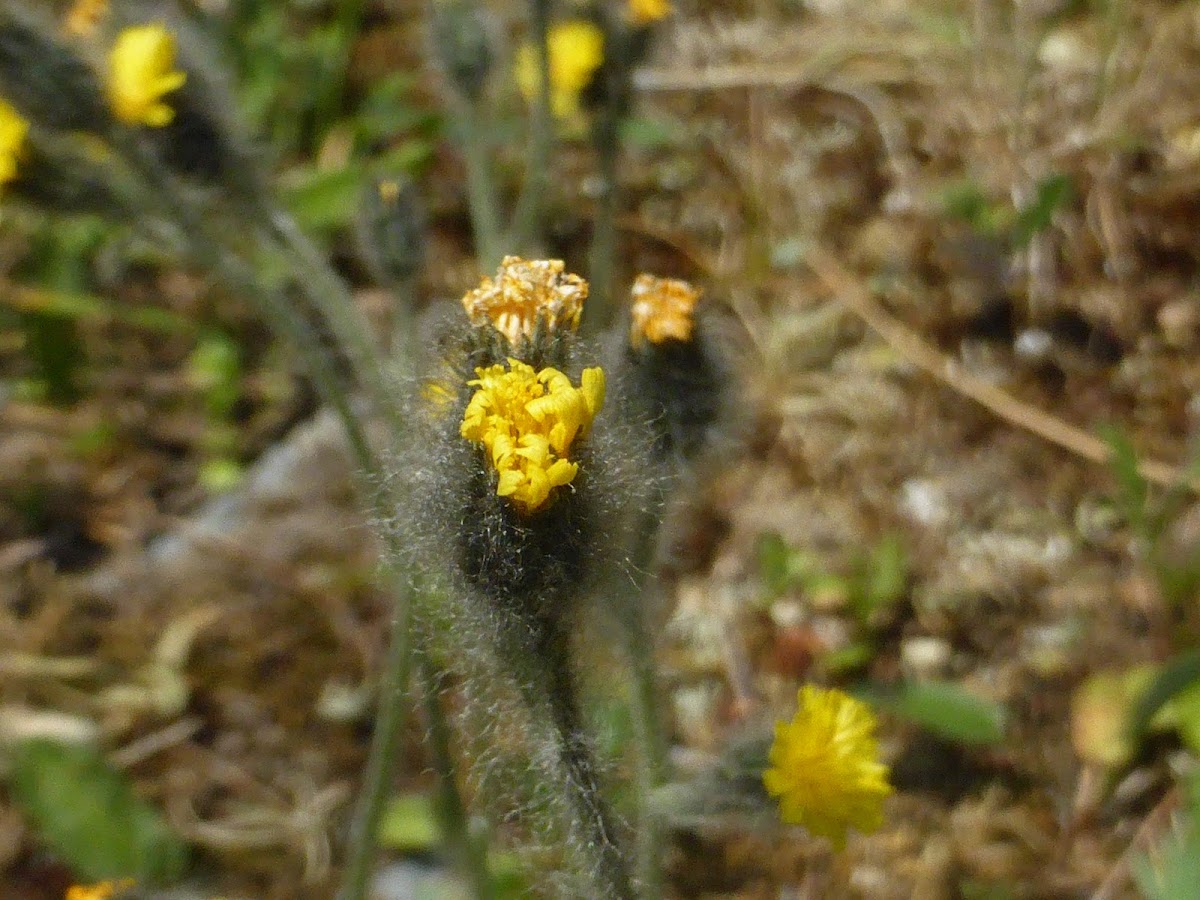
x,y
13,131
101,891
825,766
643,12
141,73
527,421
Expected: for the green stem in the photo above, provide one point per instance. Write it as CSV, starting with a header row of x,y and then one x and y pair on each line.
x,y
526,232
471,852
329,296
481,190
204,241
381,759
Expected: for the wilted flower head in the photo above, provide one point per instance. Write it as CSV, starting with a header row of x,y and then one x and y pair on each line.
x,y
576,52
84,17
141,73
643,12
663,309
825,766
526,422
13,130
524,293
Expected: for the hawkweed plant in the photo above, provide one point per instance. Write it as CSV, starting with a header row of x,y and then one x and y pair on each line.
x,y
520,496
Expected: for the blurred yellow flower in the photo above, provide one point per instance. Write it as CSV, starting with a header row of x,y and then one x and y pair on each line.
x,y
13,131
662,310
522,293
84,16
527,422
643,12
576,51
101,891
825,766
140,73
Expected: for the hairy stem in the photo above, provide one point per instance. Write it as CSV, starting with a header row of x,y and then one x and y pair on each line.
x,y
593,819
471,852
606,137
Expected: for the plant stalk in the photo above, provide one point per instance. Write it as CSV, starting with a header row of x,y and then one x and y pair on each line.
x,y
471,852
525,234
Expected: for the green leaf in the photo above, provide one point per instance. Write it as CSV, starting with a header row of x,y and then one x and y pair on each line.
x,y
1051,194
1133,490
1177,677
1100,715
1172,870
783,568
943,708
85,307
88,813
882,578
410,824
321,199
853,656
643,133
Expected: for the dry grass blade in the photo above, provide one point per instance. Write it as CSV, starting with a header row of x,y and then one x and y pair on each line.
x,y
849,290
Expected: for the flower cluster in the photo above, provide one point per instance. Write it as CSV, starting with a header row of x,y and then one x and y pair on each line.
x,y
662,309
527,421
576,52
825,766
13,131
524,293
141,72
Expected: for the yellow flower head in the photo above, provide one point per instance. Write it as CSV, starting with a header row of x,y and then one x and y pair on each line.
x,y
100,891
13,131
825,766
524,292
643,12
140,73
576,51
526,421
662,310
84,17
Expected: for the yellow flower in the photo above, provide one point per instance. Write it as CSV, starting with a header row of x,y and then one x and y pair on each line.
x,y
576,51
526,422
140,73
100,891
662,310
84,17
825,768
643,12
13,130
524,292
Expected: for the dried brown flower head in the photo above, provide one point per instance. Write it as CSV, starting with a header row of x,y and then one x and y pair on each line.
x,y
522,293
663,309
